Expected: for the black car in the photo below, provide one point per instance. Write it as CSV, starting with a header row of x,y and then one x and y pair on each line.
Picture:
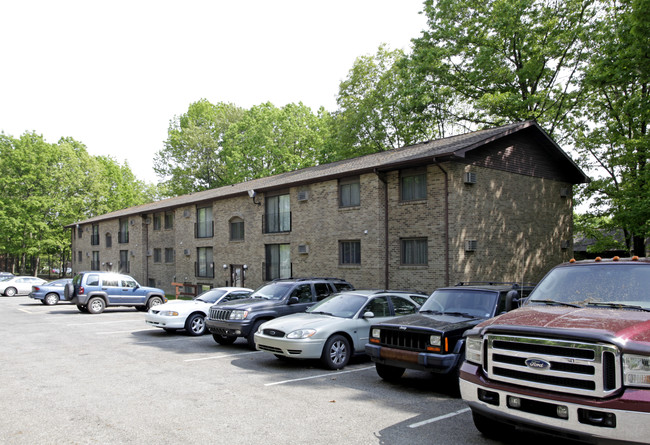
x,y
280,297
432,340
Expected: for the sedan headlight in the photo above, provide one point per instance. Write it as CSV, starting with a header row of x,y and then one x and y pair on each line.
x,y
301,333
473,347
238,315
168,313
636,370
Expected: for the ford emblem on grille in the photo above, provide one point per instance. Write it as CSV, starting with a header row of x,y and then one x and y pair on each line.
x,y
538,363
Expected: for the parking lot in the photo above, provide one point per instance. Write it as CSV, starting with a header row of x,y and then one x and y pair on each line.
x,y
69,377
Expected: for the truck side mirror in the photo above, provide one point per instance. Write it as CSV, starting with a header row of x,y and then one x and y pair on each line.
x,y
512,300
293,300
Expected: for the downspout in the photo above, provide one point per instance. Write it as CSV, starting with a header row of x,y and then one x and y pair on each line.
x,y
382,178
446,218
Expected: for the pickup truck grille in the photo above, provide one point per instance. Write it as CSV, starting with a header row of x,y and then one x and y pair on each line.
x,y
403,339
219,314
574,367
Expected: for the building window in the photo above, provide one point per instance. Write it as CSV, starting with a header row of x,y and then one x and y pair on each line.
x,y
278,214
80,232
413,184
169,255
125,267
204,224
236,229
169,220
350,252
94,238
414,251
157,221
79,257
152,282
109,240
204,266
123,234
349,192
157,255
94,264
278,261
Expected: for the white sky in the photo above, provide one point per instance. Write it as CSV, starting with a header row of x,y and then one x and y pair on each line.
x,y
113,74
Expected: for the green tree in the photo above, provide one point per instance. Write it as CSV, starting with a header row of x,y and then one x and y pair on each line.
x,y
613,142
270,140
377,108
502,61
191,159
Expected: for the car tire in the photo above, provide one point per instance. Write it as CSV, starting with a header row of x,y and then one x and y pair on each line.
x,y
10,291
68,291
96,305
224,339
336,353
82,308
51,299
195,325
389,373
154,301
251,335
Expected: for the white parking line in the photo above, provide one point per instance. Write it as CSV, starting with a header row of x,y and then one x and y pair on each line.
x,y
104,322
435,419
318,376
124,332
220,356
25,311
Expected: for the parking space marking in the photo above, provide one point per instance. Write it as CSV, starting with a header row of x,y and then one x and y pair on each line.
x,y
103,322
220,356
318,376
435,419
124,332
25,311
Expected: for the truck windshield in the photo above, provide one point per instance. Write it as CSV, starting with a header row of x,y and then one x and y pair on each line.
x,y
624,285
473,303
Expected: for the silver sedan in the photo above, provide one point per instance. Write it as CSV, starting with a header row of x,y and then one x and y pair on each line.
x,y
335,328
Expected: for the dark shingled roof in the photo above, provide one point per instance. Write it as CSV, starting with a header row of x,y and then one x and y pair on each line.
x,y
441,149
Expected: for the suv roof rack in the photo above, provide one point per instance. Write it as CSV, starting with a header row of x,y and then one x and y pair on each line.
x,y
306,279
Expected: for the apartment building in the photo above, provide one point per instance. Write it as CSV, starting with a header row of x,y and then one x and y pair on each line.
x,y
494,204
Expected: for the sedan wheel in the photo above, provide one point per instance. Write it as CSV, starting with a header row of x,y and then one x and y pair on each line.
x,y
10,291
195,324
336,353
51,299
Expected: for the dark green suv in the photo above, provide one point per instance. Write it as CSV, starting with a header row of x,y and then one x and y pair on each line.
x,y
93,291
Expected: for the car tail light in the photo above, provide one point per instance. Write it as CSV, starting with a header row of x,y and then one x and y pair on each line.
x,y
81,290
36,288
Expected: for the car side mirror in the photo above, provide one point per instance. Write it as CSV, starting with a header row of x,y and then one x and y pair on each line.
x,y
293,300
368,314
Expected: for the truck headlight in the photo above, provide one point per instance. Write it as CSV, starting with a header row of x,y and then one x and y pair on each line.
x,y
473,347
375,333
636,370
435,340
238,315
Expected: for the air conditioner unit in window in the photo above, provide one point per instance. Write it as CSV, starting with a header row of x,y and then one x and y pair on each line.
x,y
303,195
149,252
186,213
564,192
303,249
471,245
470,178
186,252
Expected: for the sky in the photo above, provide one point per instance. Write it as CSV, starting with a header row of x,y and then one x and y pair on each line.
x,y
112,75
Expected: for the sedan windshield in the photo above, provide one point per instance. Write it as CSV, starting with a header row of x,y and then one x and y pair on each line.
x,y
339,305
596,285
211,296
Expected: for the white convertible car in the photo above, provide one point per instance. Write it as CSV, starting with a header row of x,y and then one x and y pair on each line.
x,y
190,314
335,328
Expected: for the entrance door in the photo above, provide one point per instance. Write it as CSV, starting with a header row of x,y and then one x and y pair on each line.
x,y
237,275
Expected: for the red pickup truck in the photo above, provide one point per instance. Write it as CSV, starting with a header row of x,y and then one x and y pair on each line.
x,y
574,361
